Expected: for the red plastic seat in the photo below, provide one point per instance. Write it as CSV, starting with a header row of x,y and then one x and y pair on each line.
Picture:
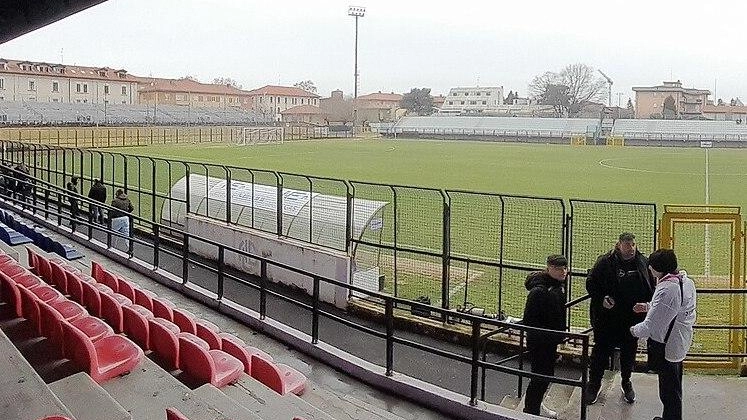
x,y
59,277
164,342
193,338
237,348
94,328
185,320
208,366
101,287
126,289
30,308
174,414
91,298
111,312
163,308
104,359
46,293
209,332
110,280
144,298
52,320
44,269
121,299
97,271
14,269
278,377
27,280
135,325
10,294
32,259
73,287
69,310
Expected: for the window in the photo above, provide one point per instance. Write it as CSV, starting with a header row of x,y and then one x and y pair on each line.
x,y
462,103
451,102
466,93
106,89
487,93
270,99
199,98
77,87
124,90
473,102
286,100
484,102
2,83
301,101
454,94
32,85
85,87
55,100
106,101
55,87
478,93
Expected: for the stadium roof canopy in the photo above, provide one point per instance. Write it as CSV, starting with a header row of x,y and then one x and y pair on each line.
x,y
18,17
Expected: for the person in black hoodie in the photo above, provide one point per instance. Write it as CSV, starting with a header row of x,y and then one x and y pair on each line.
x,y
97,193
545,308
618,280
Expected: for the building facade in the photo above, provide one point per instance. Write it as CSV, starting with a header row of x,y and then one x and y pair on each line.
x,y
378,107
26,81
270,101
472,100
304,114
688,102
736,113
188,92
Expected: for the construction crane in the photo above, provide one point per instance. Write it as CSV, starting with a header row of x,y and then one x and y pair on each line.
x,y
609,87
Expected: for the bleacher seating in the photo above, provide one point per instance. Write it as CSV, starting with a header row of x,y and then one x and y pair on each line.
x,y
121,114
497,126
10,226
680,130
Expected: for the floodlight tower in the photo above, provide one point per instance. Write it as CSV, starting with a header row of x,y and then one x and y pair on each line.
x,y
609,87
356,12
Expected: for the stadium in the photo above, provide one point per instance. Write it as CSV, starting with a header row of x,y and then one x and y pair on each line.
x,y
284,270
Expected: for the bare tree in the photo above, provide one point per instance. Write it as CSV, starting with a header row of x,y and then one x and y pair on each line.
x,y
307,85
569,90
227,81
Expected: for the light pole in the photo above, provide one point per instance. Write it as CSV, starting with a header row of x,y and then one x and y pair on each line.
x,y
356,12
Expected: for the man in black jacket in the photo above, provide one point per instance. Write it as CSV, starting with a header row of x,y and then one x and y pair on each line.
x,y
618,280
545,308
97,193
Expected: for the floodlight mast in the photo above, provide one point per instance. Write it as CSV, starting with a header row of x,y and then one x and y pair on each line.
x,y
356,12
609,87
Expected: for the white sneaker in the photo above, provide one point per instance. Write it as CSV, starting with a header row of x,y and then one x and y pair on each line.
x,y
546,412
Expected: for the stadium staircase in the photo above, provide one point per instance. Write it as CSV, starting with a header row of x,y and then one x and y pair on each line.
x,y
70,346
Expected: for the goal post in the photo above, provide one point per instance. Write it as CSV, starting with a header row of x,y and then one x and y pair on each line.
x,y
578,140
616,141
258,135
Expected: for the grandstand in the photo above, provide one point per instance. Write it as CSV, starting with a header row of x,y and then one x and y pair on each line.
x,y
682,130
54,113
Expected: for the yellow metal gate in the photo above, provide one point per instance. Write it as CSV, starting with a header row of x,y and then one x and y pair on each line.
x,y
708,243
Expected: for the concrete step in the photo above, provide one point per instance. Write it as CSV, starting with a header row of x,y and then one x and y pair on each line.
x,y
86,400
266,403
148,390
229,407
512,402
572,411
344,407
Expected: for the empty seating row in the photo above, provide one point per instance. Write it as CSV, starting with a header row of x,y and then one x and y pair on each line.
x,y
29,233
80,337
179,337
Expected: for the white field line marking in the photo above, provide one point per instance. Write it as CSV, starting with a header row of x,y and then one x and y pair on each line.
x,y
707,239
605,163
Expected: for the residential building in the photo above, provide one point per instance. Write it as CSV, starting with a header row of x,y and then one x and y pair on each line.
x,y
688,102
736,113
378,107
472,100
188,92
438,101
271,101
24,81
306,114
338,109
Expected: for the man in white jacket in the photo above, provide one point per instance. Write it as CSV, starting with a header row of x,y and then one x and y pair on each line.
x,y
669,321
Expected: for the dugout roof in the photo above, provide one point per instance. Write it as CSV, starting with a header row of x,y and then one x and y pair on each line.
x,y
18,17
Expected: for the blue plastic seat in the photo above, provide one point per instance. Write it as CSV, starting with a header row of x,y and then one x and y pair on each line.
x,y
66,250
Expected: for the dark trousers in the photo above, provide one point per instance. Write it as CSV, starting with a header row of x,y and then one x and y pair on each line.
x,y
543,359
604,346
670,390
97,214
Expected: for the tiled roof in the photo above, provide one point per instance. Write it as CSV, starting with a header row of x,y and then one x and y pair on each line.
x,y
282,91
303,110
73,72
152,84
715,109
378,96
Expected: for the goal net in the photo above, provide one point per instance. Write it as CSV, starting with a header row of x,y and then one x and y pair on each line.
x,y
260,135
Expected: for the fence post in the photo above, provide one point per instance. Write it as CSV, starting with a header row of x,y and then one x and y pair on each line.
x,y
389,316
521,363
446,255
221,268
475,362
584,372
185,258
263,290
315,313
279,206
156,245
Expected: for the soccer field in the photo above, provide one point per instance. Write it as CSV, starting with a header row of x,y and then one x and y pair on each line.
x,y
642,174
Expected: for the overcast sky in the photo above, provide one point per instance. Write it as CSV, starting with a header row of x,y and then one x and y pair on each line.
x,y
405,44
